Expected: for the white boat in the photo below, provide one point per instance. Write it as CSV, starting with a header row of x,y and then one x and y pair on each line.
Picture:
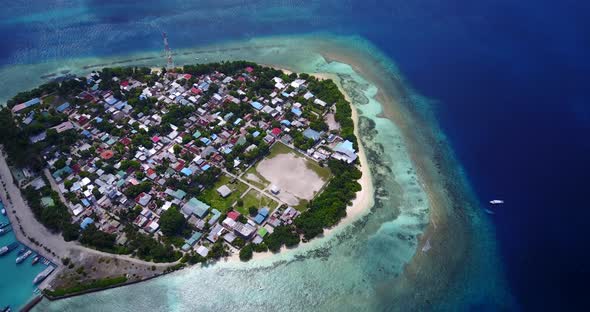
x,y
489,212
24,256
3,212
496,201
426,246
41,276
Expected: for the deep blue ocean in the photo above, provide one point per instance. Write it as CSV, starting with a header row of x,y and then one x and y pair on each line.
x,y
508,79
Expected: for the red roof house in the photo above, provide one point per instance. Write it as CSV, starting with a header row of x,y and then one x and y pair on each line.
x,y
276,132
234,215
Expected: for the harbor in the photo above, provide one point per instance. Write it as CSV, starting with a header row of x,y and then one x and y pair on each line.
x,y
21,267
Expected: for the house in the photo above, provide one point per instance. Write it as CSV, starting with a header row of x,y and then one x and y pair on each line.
x,y
345,151
256,105
224,191
86,222
234,215
320,102
27,104
202,251
276,132
63,107
244,230
275,189
312,134
196,207
143,199
215,233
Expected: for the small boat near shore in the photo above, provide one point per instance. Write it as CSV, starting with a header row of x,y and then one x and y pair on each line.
x,y
3,211
6,309
43,275
5,230
36,259
8,248
24,256
21,251
489,212
496,201
4,224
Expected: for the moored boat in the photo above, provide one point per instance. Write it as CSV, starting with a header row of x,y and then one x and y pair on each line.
x,y
8,248
43,275
23,257
4,224
36,259
3,211
4,231
6,309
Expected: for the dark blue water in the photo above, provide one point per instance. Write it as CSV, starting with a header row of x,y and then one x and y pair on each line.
x,y
510,79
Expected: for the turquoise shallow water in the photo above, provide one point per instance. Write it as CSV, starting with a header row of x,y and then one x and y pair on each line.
x,y
374,264
16,281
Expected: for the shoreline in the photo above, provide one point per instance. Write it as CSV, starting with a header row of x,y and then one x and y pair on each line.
x,y
359,207
448,230
363,201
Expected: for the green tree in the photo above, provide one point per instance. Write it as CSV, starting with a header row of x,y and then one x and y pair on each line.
x,y
172,222
246,253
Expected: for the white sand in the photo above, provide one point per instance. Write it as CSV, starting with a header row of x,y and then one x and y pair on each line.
x,y
291,175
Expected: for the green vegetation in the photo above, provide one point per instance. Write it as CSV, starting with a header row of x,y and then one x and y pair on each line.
x,y
260,182
57,217
282,235
246,253
97,239
79,287
172,222
330,206
257,200
149,249
212,197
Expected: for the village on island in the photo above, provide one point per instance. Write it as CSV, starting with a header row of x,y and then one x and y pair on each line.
x,y
185,165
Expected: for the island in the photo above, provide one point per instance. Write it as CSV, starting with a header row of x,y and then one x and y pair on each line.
x,y
134,172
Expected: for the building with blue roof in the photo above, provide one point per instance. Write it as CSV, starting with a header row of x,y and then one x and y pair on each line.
x,y
296,111
86,133
256,105
86,222
345,151
206,141
256,133
98,119
196,207
186,171
63,107
285,122
311,134
237,121
111,100
259,219
264,211
26,104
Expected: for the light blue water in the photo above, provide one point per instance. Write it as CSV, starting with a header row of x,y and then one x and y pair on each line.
x,y
16,281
